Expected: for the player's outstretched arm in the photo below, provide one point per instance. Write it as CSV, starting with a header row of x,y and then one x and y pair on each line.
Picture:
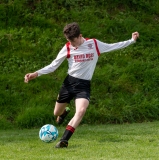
x,y
30,76
135,35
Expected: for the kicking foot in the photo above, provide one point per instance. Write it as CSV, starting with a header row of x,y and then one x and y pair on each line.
x,y
62,144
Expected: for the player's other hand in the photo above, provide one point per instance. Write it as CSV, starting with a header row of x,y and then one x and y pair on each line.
x,y
30,76
135,35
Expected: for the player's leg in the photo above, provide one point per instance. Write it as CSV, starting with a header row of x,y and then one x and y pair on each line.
x,y
61,112
59,108
80,90
81,107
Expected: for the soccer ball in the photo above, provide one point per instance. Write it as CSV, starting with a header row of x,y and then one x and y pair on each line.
x,y
48,133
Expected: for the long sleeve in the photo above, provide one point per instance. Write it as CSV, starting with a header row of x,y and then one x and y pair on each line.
x,y
55,63
105,47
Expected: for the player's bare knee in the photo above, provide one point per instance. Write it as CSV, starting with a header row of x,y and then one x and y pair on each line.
x,y
56,113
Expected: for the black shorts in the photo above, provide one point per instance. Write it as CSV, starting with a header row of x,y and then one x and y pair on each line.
x,y
74,88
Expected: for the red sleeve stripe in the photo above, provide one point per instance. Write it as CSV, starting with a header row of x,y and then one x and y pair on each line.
x,y
70,128
97,49
68,49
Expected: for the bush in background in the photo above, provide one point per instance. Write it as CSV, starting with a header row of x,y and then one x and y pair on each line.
x,y
125,82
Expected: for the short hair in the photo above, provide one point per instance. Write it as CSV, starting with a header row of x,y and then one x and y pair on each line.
x,y
71,31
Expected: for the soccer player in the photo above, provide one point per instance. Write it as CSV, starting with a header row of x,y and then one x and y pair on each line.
x,y
82,55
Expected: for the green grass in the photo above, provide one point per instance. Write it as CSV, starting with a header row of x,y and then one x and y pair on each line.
x,y
98,142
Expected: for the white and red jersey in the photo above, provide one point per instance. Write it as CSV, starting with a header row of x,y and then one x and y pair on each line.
x,y
82,60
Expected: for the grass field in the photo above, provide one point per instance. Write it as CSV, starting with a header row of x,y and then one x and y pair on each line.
x,y
98,142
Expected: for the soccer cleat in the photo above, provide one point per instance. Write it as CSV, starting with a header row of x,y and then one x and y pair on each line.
x,y
62,144
61,118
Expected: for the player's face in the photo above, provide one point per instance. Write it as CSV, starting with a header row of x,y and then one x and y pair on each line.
x,y
76,42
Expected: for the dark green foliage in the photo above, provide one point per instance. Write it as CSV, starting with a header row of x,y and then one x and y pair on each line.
x,y
34,117
125,83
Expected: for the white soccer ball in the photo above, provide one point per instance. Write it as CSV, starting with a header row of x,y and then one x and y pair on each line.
x,y
48,133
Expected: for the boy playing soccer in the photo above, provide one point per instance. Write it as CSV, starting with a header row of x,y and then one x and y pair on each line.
x,y
82,55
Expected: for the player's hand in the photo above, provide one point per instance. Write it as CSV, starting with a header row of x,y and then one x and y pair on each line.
x,y
135,35
30,76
